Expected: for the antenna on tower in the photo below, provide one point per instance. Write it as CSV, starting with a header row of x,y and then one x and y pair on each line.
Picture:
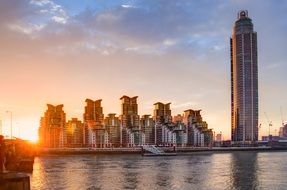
x,y
242,14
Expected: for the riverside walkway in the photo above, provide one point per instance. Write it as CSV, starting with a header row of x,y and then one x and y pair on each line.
x,y
138,150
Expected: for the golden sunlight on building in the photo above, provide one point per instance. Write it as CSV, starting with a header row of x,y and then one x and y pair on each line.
x,y
52,127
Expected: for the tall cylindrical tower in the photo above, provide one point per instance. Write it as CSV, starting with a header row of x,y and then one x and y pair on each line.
x,y
244,81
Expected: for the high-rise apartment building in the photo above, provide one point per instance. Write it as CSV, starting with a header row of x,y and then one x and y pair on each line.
x,y
94,130
94,111
74,129
52,131
129,116
132,135
192,116
197,130
163,119
244,81
113,127
162,113
148,127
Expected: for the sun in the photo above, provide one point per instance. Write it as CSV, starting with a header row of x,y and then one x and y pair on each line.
x,y
30,136
28,130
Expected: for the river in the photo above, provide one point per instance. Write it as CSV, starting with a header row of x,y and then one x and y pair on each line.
x,y
236,170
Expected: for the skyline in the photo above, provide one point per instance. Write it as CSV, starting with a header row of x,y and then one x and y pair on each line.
x,y
128,129
50,50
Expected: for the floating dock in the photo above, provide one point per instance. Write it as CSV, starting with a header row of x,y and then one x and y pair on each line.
x,y
163,154
152,150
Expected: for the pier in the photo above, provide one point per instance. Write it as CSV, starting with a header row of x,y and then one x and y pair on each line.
x,y
152,150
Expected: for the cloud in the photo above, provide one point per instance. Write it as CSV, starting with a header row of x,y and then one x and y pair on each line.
x,y
185,105
128,6
158,49
40,2
144,27
26,28
51,9
61,20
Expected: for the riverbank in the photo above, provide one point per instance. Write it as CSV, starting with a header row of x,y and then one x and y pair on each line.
x,y
216,171
138,150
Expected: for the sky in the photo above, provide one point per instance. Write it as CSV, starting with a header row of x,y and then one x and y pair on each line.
x,y
62,52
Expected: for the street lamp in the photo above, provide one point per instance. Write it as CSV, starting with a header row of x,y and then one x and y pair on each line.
x,y
10,123
0,126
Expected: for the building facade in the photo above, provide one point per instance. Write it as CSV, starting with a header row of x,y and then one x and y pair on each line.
x,y
283,131
75,129
162,113
129,117
95,134
132,134
197,130
113,127
244,81
147,125
164,134
52,131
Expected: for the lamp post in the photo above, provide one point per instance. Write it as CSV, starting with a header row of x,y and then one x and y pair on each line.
x,y
0,126
10,123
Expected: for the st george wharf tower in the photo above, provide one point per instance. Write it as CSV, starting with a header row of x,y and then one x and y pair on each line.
x,y
244,81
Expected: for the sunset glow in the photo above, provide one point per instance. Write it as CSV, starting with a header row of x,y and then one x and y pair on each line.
x,y
59,52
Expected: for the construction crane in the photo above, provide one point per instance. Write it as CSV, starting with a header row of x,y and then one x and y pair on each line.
x,y
269,122
282,119
259,127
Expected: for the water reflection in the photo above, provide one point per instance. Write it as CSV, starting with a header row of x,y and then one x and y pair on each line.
x,y
239,170
130,169
163,174
244,169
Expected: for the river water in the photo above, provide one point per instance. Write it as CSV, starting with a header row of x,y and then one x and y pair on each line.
x,y
237,170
